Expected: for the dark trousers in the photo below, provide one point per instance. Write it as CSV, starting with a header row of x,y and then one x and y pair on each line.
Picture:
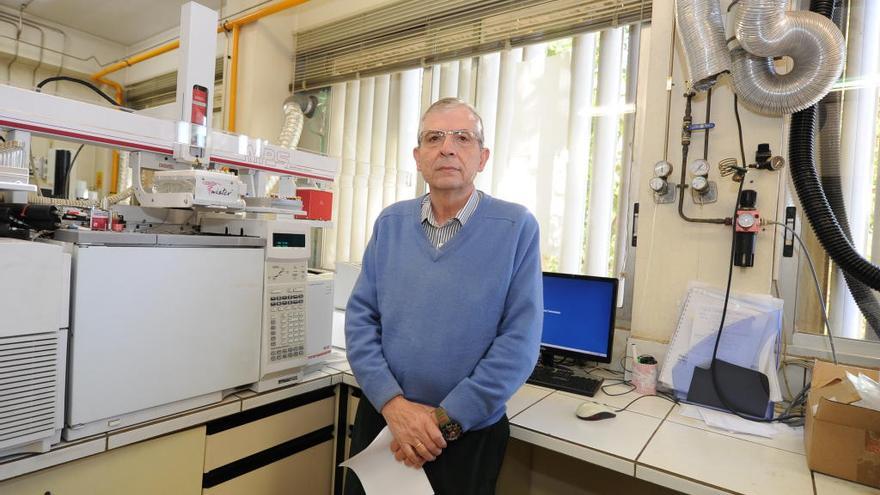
x,y
469,465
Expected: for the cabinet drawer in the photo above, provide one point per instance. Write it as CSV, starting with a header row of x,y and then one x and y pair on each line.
x,y
234,442
169,464
307,472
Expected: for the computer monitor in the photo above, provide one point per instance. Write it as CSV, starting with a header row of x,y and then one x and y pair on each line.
x,y
578,317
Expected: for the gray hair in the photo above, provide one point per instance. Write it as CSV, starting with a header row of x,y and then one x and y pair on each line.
x,y
449,103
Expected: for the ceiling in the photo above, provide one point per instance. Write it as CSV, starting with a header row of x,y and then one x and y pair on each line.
x,y
124,21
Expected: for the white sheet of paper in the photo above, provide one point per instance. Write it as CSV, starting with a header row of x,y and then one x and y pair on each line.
x,y
735,424
381,474
690,411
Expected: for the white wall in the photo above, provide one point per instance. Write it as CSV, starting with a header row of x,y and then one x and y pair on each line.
x,y
84,55
265,58
672,253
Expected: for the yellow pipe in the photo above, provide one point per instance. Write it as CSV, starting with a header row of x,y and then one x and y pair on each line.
x,y
233,25
114,169
259,14
224,26
114,172
134,59
233,78
233,66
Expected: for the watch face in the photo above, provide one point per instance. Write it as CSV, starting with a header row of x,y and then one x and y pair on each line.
x,y
451,431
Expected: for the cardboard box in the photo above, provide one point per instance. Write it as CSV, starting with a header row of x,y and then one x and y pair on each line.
x,y
841,439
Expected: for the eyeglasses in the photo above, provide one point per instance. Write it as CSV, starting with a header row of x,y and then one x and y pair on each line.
x,y
434,138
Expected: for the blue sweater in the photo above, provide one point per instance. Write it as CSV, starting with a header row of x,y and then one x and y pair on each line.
x,y
457,327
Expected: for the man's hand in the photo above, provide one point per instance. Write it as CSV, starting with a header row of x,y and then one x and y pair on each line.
x,y
417,439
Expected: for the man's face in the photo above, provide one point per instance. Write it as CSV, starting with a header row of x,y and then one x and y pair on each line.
x,y
450,162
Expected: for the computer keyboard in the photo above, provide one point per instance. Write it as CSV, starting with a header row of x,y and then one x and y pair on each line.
x,y
564,379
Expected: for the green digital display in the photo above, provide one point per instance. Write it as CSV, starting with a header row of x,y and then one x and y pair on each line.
x,y
289,240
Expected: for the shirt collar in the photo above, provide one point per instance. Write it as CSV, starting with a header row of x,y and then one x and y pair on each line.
x,y
462,216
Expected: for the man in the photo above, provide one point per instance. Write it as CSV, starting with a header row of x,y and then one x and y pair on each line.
x,y
444,322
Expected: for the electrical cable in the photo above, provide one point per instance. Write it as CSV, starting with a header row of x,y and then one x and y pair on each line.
x,y
70,170
816,283
739,129
660,395
616,383
714,360
78,81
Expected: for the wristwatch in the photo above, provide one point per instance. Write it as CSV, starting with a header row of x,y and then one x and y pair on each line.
x,y
449,428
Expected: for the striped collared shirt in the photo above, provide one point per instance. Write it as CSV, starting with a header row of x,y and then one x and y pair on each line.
x,y
439,235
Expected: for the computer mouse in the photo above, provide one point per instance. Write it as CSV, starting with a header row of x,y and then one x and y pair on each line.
x,y
590,411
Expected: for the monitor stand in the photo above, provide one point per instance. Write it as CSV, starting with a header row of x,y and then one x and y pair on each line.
x,y
547,359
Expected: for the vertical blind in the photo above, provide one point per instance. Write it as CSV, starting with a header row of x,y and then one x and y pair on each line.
x,y
557,118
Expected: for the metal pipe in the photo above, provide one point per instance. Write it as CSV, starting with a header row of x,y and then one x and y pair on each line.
x,y
135,59
259,14
233,25
233,79
685,147
173,45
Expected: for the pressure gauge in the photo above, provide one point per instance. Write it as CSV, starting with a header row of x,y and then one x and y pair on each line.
x,y
700,184
745,220
776,162
658,185
700,167
662,169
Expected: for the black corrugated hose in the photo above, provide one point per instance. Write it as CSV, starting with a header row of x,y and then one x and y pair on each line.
x,y
829,146
812,196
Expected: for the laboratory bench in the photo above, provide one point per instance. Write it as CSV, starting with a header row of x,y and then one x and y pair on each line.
x,y
289,441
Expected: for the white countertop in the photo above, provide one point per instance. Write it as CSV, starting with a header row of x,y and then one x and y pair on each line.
x,y
650,440
697,456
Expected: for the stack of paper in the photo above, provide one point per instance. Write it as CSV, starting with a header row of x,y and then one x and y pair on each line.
x,y
751,338
734,424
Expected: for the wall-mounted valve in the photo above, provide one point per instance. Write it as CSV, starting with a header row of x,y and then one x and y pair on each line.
x,y
765,160
663,194
748,224
703,190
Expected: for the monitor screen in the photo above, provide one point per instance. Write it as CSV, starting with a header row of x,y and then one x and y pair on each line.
x,y
579,316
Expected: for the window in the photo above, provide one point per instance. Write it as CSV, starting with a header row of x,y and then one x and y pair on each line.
x,y
558,119
859,155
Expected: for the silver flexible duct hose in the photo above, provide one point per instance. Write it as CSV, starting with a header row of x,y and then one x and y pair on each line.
x,y
702,35
292,127
291,130
765,30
